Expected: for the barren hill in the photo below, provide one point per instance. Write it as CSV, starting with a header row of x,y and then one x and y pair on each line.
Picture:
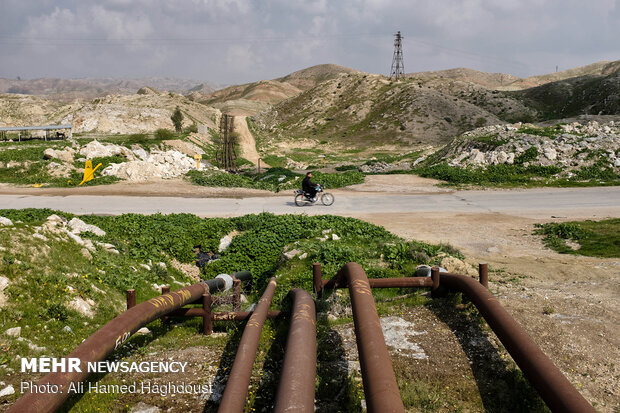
x,y
251,98
137,113
308,78
461,74
590,94
363,110
595,69
90,88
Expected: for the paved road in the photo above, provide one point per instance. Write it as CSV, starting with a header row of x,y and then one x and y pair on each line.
x,y
604,201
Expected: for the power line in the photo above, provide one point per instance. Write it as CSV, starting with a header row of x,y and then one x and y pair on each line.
x,y
101,40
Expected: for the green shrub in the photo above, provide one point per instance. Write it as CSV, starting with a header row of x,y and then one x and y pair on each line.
x,y
338,180
274,179
529,155
343,168
193,128
599,172
164,134
177,119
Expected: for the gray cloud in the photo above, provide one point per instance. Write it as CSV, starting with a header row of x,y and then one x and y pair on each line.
x,y
233,41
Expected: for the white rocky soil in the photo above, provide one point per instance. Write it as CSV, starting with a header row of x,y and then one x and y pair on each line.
x,y
140,165
576,147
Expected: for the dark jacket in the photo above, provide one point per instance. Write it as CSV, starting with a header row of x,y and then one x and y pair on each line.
x,y
308,186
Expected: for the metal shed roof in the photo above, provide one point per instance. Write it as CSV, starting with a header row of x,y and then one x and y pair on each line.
x,y
19,128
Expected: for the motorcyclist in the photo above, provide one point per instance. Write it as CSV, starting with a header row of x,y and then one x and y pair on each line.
x,y
308,186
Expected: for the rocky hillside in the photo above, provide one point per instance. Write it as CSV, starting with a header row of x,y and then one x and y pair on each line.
x,y
144,112
313,76
252,98
364,110
432,107
87,89
590,94
568,147
338,105
461,74
595,69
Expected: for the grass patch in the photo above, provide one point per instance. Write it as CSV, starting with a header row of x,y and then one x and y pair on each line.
x,y
548,131
38,293
274,179
489,142
518,175
591,238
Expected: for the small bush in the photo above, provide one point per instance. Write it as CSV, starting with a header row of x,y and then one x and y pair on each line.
x,y
343,168
193,128
164,134
529,155
177,119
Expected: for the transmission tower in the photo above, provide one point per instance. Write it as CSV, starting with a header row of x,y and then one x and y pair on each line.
x,y
398,66
225,155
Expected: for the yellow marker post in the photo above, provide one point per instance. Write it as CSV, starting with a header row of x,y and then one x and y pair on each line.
x,y
197,158
89,172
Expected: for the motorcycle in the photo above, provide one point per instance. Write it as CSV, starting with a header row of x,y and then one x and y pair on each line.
x,y
302,198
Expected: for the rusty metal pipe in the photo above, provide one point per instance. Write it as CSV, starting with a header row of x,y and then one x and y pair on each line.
x,y
546,378
103,342
296,386
316,280
380,387
235,393
242,315
483,272
407,282
219,316
219,283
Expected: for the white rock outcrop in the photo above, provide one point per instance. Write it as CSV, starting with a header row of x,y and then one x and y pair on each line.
x,y
158,164
77,226
575,146
96,149
65,155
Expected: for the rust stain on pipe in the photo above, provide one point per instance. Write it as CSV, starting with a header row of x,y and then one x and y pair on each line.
x,y
380,387
242,315
559,394
296,386
408,282
236,391
103,342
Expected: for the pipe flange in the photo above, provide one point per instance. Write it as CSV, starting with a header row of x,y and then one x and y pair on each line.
x,y
228,281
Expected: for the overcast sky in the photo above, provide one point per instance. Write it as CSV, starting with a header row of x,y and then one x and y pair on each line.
x,y
237,41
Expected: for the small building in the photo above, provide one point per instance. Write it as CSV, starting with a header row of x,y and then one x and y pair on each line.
x,y
50,132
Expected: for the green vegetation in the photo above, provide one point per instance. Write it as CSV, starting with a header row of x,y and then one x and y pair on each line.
x,y
492,175
30,153
518,174
592,238
164,134
42,284
37,173
549,131
489,142
579,95
146,140
343,168
274,179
